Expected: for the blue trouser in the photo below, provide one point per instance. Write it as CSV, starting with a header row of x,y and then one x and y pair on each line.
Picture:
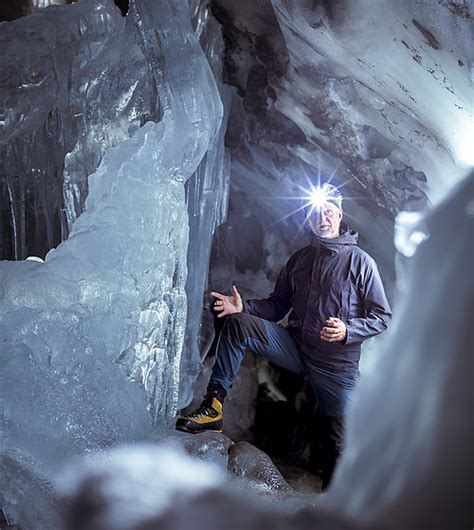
x,y
241,332
333,390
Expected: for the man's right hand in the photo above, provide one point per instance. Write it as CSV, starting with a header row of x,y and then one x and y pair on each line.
x,y
228,305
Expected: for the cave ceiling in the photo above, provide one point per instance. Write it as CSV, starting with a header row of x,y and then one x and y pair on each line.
x,y
375,95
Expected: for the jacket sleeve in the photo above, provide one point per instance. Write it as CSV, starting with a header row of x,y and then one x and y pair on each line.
x,y
377,309
277,305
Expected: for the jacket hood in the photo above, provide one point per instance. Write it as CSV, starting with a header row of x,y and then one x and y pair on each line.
x,y
346,238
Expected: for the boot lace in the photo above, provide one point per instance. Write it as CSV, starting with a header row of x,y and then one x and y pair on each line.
x,y
205,409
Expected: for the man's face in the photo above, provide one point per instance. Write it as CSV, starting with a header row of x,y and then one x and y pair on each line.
x,y
325,221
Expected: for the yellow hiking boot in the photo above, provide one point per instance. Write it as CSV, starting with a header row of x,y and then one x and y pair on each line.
x,y
207,417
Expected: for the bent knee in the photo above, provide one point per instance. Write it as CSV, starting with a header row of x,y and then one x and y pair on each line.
x,y
242,326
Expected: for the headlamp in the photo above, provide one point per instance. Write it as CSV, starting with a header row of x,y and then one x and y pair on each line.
x,y
318,197
325,193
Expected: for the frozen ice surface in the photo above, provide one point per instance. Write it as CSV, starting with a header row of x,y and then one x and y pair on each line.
x,y
146,487
92,338
145,480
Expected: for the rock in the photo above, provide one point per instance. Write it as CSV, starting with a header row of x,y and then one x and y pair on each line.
x,y
248,462
209,446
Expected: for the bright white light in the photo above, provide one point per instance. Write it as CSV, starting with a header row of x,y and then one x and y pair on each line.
x,y
465,148
318,197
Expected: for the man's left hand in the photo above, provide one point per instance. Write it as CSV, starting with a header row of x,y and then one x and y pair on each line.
x,y
334,330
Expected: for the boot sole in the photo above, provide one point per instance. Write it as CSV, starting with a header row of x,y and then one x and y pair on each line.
x,y
184,429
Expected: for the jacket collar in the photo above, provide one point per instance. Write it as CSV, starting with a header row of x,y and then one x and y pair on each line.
x,y
346,239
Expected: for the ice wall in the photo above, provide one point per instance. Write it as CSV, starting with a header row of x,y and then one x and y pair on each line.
x,y
92,337
410,465
401,88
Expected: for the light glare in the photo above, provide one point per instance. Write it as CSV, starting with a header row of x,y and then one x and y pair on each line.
x,y
318,197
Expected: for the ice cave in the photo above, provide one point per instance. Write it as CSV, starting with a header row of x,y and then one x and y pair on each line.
x,y
153,151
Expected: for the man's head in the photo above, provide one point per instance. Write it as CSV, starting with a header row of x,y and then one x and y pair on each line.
x,y
326,211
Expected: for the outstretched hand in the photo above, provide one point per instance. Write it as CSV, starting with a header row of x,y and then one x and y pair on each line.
x,y
228,305
334,330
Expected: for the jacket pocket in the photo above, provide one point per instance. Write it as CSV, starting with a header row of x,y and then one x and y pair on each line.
x,y
346,298
339,299
334,300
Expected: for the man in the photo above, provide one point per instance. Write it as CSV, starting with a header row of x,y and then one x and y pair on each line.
x,y
336,299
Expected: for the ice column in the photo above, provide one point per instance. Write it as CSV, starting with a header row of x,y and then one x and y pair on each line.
x,y
105,314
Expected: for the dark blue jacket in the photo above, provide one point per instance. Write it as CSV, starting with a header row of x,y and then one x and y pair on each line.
x,y
329,277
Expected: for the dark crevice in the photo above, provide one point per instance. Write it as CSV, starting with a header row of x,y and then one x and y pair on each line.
x,y
429,37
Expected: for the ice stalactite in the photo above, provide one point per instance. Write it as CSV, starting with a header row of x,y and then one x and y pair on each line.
x,y
45,113
207,197
105,314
